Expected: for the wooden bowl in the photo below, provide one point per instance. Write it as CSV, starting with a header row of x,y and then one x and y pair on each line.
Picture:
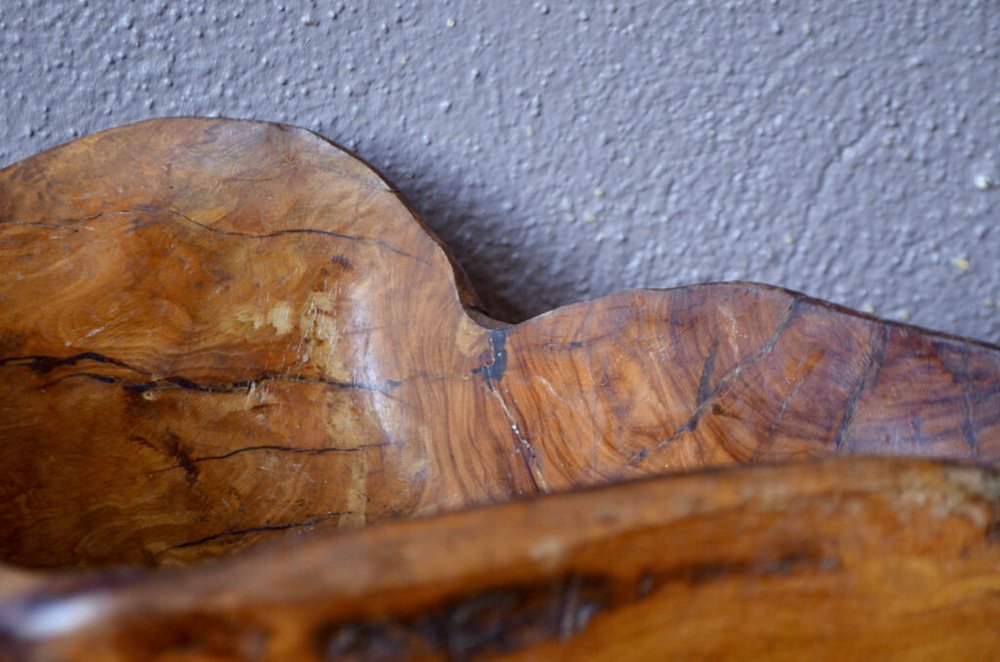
x,y
215,334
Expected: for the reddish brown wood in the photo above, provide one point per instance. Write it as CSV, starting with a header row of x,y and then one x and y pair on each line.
x,y
214,333
850,558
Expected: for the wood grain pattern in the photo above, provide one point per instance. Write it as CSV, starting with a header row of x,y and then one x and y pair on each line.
x,y
216,333
850,558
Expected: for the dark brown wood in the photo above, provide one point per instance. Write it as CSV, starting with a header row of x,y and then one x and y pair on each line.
x,y
214,333
851,558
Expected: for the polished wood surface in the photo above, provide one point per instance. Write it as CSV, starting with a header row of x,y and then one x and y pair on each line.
x,y
850,558
217,333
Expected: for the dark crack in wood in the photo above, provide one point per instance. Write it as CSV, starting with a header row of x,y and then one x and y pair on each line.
x,y
264,528
381,243
789,315
763,446
968,427
272,448
875,359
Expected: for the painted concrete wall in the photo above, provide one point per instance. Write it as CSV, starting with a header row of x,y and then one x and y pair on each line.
x,y
850,150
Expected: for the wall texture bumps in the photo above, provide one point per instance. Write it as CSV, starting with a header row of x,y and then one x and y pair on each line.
x,y
849,150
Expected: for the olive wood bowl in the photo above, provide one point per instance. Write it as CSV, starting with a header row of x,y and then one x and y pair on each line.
x,y
218,334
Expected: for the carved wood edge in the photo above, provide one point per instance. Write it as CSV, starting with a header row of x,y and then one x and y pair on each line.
x,y
216,333
845,556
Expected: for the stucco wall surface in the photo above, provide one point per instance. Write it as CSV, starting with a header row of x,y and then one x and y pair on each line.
x,y
849,150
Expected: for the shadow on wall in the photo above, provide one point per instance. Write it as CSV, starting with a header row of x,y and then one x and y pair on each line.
x,y
485,278
445,216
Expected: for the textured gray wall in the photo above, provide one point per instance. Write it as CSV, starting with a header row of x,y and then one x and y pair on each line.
x,y
850,150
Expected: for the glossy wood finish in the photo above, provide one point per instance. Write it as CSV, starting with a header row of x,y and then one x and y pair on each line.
x,y
216,333
851,558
